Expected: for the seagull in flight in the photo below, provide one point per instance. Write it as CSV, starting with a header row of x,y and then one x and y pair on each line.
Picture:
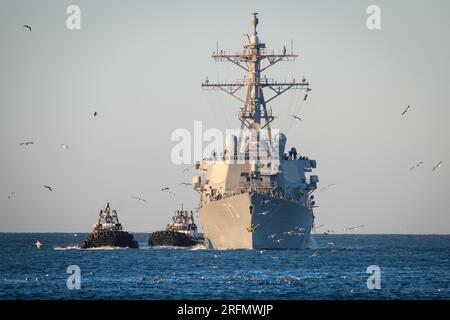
x,y
186,184
27,143
262,213
437,166
27,26
316,229
272,236
64,146
353,228
326,187
165,189
298,118
38,244
139,198
406,110
48,187
252,228
95,113
418,164
278,240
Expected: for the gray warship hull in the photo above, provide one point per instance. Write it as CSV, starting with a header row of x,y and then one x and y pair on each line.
x,y
277,223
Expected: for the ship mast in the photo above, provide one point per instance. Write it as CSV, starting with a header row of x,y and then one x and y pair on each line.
x,y
255,59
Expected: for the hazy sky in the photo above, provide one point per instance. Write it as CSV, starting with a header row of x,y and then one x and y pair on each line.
x,y
140,64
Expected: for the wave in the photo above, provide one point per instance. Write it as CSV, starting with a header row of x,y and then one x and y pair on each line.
x,y
193,248
88,249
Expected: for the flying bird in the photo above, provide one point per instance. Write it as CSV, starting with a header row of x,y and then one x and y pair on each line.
x,y
316,229
272,236
27,143
139,198
262,213
326,187
64,146
95,113
406,110
252,228
165,189
353,228
437,166
38,244
27,26
48,187
298,118
278,240
186,184
418,164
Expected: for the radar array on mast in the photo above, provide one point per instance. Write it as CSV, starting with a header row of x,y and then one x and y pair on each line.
x,y
251,60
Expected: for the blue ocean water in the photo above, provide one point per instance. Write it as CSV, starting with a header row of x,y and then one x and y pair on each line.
x,y
412,267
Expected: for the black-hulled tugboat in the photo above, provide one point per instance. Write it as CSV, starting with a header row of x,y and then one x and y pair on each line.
x,y
182,232
108,232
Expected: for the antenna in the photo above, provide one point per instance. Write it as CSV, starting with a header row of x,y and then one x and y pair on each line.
x,y
255,59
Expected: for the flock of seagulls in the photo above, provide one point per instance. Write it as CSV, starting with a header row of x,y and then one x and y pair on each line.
x,y
418,164
252,228
30,143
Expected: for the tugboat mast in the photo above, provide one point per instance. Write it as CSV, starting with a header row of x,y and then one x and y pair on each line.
x,y
251,60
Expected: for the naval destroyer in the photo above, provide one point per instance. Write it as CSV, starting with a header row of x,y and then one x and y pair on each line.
x,y
254,195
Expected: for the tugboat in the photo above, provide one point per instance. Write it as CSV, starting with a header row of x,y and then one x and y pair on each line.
x,y
108,232
182,232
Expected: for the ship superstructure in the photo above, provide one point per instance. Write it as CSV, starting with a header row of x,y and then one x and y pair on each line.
x,y
254,195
